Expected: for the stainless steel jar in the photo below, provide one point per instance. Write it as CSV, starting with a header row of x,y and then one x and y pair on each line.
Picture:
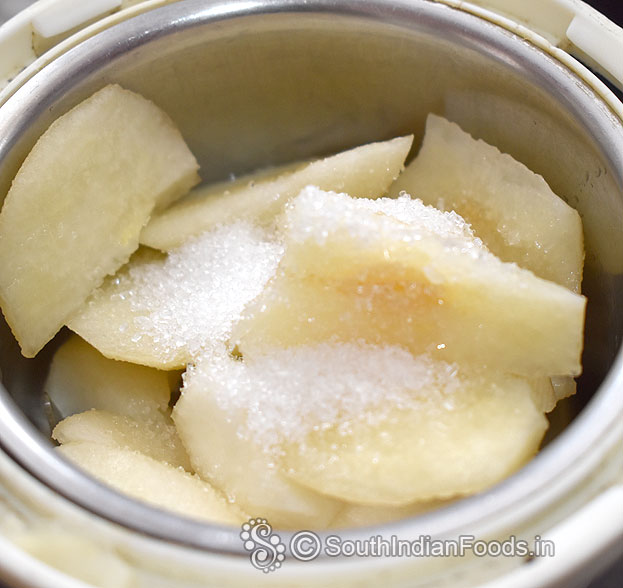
x,y
263,82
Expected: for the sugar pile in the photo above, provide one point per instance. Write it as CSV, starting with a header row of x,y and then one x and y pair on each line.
x,y
281,395
318,214
161,310
202,287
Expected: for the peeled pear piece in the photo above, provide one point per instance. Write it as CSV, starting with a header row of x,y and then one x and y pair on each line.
x,y
364,424
365,171
512,209
242,469
452,442
153,482
155,437
81,379
78,203
398,272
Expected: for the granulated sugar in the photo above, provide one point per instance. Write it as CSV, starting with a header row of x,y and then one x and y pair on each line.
x,y
202,287
161,310
316,213
281,395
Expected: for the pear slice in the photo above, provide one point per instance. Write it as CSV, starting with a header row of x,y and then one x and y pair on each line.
x,y
249,475
161,310
77,205
81,379
364,424
398,272
106,401
155,437
151,481
452,441
510,208
365,171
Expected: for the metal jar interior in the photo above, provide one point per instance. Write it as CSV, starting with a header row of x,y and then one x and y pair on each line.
x,y
266,82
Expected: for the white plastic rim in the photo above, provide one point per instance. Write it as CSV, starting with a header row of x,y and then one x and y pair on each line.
x,y
18,58
100,552
568,24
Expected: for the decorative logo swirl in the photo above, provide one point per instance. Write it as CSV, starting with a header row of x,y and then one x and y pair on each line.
x,y
267,550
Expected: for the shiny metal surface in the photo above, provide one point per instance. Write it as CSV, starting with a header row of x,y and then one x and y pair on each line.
x,y
258,82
